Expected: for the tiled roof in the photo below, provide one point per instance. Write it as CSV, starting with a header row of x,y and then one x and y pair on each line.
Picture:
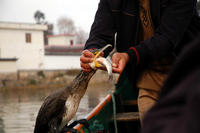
x,y
60,35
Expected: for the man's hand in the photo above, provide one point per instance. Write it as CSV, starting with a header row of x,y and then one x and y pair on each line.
x,y
119,61
86,57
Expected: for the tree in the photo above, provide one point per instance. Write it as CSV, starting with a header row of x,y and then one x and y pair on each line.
x,y
81,36
39,17
49,31
66,25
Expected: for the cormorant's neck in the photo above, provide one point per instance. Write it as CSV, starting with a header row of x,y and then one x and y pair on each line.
x,y
82,76
81,80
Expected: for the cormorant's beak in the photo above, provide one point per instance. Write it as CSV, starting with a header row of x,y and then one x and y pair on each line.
x,y
101,62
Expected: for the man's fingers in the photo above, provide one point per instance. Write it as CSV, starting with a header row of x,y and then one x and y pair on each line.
x,y
87,53
119,68
86,60
115,61
116,70
114,65
118,64
85,66
122,64
86,70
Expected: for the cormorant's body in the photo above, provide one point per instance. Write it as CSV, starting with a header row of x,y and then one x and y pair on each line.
x,y
60,107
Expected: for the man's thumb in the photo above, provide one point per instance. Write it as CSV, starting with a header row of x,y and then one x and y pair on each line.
x,y
115,61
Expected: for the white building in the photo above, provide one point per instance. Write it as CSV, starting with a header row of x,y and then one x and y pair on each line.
x,y
8,65
24,42
61,40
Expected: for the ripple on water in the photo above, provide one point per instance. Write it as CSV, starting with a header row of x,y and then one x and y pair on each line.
x,y
18,109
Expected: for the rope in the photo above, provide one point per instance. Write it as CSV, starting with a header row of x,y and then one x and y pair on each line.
x,y
70,128
113,97
114,112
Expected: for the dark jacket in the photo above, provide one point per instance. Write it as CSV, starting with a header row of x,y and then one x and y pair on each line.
x,y
177,110
175,21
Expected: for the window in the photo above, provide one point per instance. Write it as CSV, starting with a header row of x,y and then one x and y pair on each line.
x,y
28,37
71,42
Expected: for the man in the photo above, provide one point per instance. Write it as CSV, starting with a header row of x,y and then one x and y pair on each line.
x,y
150,35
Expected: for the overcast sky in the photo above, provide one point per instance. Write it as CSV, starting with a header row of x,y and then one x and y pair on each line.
x,y
81,11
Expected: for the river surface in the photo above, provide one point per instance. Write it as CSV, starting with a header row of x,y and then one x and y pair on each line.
x,y
19,108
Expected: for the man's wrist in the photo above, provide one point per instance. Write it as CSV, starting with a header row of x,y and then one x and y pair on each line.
x,y
126,56
133,55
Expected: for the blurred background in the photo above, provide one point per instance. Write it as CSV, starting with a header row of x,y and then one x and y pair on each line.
x,y
40,46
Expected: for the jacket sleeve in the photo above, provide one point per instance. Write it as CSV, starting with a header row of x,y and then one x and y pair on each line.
x,y
103,28
175,19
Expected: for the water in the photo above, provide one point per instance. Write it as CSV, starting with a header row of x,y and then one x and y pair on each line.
x,y
61,62
19,108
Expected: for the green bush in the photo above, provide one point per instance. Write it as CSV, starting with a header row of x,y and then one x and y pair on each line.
x,y
32,82
41,74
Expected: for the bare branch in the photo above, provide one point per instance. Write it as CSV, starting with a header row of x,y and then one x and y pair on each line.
x,y
65,25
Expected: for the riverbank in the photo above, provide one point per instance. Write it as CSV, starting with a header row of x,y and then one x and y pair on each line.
x,y
49,79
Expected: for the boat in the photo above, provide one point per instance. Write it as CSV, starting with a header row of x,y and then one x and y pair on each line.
x,y
117,113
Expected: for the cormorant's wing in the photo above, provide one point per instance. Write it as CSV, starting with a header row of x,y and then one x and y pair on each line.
x,y
50,113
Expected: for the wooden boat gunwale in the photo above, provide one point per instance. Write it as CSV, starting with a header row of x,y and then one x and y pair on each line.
x,y
101,118
96,110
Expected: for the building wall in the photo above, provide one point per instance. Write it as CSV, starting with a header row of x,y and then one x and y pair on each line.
x,y
13,45
61,62
8,67
60,40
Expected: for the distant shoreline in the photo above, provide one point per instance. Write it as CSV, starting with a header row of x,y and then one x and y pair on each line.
x,y
48,79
